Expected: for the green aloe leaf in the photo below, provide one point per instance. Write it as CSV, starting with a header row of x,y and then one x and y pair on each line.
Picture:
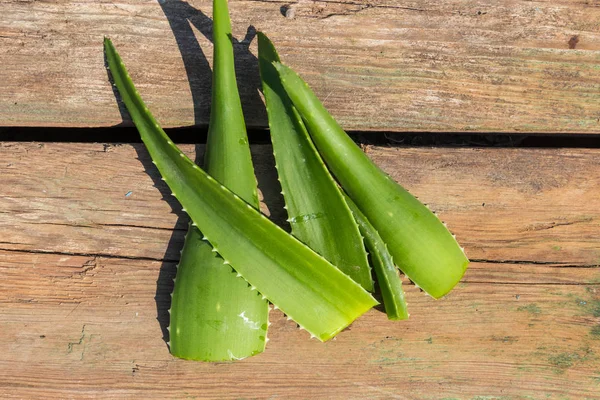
x,y
214,317
317,211
425,250
305,286
388,279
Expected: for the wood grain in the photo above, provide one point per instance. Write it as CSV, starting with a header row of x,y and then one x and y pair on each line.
x,y
516,205
88,248
81,327
393,65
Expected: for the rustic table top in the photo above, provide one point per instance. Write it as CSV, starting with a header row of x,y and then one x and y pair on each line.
x,y
89,234
90,238
429,65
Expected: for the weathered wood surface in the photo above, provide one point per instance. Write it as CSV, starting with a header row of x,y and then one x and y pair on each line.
x,y
87,254
394,65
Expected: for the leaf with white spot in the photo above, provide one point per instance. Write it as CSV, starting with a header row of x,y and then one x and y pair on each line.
x,y
304,285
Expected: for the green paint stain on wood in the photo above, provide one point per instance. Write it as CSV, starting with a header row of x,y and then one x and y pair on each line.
x,y
595,332
564,360
530,308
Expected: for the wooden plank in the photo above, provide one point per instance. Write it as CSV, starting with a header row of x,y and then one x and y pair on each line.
x,y
86,327
393,65
515,205
88,252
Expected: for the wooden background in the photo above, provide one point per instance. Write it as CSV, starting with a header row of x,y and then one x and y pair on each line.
x,y
89,235
429,65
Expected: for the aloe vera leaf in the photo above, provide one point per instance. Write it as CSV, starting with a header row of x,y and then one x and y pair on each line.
x,y
227,157
388,279
317,212
426,251
214,317
214,314
305,286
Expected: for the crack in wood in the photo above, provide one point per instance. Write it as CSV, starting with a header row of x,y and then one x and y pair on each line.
x,y
532,283
102,255
316,9
553,224
555,264
97,226
70,345
551,264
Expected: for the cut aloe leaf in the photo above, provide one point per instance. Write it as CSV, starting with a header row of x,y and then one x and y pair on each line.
x,y
420,243
305,286
388,279
317,211
214,316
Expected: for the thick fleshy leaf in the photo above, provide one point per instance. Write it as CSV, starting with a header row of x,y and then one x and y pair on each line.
x,y
420,243
317,211
214,316
388,279
305,286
